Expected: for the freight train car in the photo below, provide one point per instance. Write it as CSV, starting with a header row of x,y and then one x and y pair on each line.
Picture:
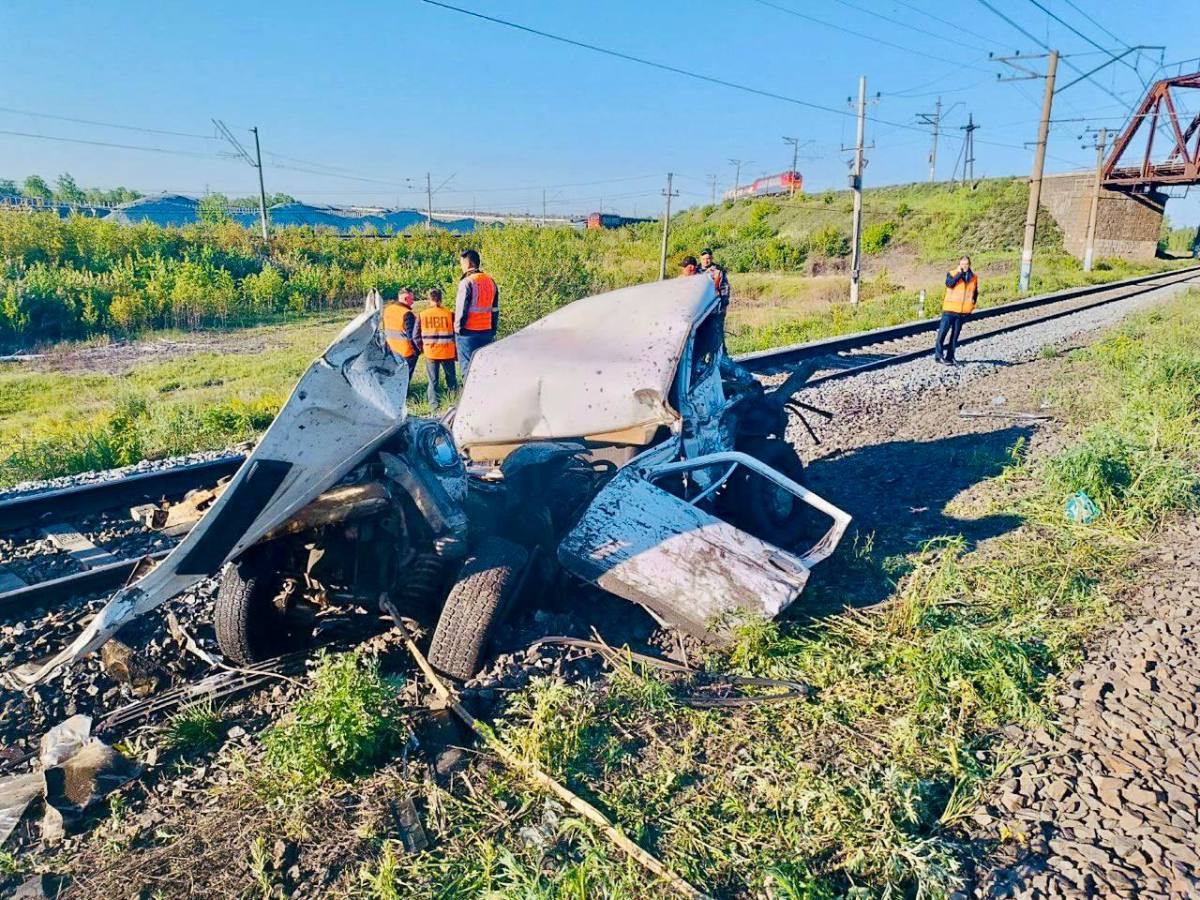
x,y
781,183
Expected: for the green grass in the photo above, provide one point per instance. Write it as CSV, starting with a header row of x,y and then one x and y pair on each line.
x,y
341,728
55,423
194,728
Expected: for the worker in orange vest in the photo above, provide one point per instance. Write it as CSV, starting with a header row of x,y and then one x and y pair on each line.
x,y
962,290
435,338
400,327
718,275
476,308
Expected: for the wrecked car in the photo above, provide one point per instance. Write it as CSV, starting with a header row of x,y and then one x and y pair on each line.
x,y
612,441
619,439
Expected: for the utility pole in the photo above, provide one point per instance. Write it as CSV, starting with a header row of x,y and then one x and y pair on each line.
x,y
1035,177
1017,62
737,177
796,145
1090,248
662,258
255,161
262,190
428,201
856,186
543,207
969,148
934,119
712,186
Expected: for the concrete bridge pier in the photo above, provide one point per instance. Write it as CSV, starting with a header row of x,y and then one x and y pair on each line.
x,y
1127,225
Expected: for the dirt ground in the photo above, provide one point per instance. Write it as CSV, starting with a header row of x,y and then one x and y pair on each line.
x,y
907,475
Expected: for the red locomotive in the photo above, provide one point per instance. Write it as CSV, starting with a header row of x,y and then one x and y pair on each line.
x,y
781,183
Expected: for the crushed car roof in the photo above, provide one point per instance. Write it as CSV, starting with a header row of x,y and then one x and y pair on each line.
x,y
601,364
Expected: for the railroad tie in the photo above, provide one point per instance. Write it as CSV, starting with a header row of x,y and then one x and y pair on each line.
x,y
83,551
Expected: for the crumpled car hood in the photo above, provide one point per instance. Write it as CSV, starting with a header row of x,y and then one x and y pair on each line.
x,y
350,401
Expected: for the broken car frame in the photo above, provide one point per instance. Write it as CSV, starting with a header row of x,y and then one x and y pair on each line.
x,y
613,440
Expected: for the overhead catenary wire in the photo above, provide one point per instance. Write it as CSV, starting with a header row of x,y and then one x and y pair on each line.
x,y
1076,31
71,140
868,37
163,131
1024,31
843,114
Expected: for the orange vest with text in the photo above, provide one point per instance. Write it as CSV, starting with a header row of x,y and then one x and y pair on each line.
x,y
437,333
961,297
483,303
395,318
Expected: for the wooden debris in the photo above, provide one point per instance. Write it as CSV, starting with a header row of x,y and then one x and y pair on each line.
x,y
531,771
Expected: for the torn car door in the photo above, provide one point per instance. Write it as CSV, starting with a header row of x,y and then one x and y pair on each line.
x,y
687,567
349,402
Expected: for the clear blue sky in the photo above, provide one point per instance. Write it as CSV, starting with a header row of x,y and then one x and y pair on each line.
x,y
388,91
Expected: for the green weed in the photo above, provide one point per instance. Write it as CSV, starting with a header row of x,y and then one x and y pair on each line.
x,y
340,728
194,728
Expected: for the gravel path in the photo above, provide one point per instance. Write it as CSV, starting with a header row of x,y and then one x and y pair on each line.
x,y
1110,806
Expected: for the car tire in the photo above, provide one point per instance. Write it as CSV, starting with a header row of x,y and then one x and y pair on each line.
x,y
250,626
486,585
757,506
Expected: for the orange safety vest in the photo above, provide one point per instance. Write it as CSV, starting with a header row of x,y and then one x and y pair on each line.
x,y
481,312
437,333
396,328
961,297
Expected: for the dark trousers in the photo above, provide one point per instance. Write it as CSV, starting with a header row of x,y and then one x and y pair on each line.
x,y
412,366
432,367
467,343
947,335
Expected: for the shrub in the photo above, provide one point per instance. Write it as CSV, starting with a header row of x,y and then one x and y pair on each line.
x,y
877,235
829,241
340,728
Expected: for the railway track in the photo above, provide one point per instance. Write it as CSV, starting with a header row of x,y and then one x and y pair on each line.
x,y
51,512
853,354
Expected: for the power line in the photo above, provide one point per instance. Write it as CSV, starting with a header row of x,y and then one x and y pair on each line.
x,y
42,115
641,61
1091,18
878,15
1031,37
850,31
68,140
975,34
1075,30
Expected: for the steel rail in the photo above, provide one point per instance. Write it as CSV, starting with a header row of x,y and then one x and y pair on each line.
x,y
55,591
62,504
780,357
909,356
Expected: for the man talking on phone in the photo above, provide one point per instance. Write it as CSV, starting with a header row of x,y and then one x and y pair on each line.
x,y
962,290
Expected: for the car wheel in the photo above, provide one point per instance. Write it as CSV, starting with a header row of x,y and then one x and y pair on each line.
x,y
253,617
486,585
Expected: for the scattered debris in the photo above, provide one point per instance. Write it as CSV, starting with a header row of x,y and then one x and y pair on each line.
x,y
1081,509
1020,416
75,770
534,773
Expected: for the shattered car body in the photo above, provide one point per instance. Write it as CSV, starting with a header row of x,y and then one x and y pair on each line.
x,y
613,440
347,405
639,377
